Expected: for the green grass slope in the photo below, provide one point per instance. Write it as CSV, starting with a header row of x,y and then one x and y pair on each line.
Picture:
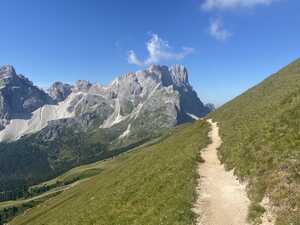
x,y
152,185
261,134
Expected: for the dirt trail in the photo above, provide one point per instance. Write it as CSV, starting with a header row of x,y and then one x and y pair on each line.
x,y
222,200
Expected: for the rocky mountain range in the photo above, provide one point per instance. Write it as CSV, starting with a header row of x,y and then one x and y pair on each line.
x,y
162,95
44,133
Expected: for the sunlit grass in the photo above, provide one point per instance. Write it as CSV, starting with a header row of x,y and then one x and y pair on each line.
x,y
261,134
152,185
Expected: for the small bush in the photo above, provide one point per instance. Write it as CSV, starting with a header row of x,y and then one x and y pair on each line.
x,y
255,212
200,159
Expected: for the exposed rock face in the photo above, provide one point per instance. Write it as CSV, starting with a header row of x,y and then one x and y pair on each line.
x,y
156,98
59,91
190,103
211,107
18,96
179,76
82,85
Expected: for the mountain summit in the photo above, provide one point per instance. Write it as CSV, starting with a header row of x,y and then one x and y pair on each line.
x,y
18,96
7,71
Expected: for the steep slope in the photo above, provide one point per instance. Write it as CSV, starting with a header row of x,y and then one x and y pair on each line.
x,y
88,122
151,185
260,131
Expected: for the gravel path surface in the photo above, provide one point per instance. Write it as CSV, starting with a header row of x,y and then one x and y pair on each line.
x,y
222,200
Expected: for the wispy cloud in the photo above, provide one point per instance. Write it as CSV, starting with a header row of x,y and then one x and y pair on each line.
x,y
231,4
216,27
133,59
158,50
217,30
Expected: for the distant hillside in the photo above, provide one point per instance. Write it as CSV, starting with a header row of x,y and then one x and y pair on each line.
x,y
151,185
261,134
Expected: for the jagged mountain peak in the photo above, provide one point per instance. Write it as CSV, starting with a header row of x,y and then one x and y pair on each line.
x,y
176,75
59,91
179,74
7,71
159,93
154,67
9,76
19,97
82,85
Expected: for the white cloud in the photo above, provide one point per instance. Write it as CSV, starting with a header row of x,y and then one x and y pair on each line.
x,y
217,30
133,59
159,50
231,4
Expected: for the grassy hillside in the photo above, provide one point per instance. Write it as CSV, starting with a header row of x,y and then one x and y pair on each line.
x,y
261,134
32,159
151,185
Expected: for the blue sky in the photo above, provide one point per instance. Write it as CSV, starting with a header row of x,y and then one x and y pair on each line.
x,y
227,45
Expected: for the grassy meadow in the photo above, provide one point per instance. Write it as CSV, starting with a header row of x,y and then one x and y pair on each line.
x,y
151,185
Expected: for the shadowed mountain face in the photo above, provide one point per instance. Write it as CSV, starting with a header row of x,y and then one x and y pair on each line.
x,y
18,96
59,91
73,124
